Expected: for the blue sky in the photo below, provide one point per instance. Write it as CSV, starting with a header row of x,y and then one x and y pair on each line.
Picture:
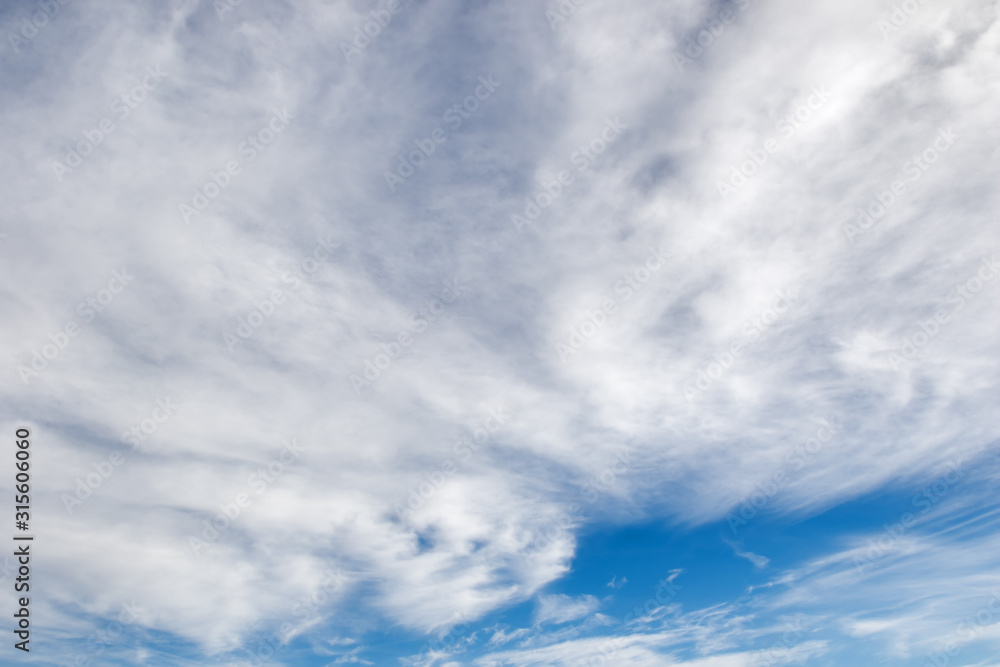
x,y
505,333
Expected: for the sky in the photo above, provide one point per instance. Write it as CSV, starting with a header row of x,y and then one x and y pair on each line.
x,y
438,333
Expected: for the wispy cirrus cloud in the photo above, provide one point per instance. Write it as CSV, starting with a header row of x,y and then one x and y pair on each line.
x,y
637,146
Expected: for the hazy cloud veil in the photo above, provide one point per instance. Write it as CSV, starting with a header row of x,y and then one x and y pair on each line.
x,y
525,333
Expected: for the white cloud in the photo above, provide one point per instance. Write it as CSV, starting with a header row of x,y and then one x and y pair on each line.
x,y
558,608
496,532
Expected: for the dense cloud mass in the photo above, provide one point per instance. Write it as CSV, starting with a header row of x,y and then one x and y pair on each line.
x,y
340,326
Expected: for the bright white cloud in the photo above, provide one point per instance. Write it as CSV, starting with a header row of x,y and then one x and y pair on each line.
x,y
649,271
